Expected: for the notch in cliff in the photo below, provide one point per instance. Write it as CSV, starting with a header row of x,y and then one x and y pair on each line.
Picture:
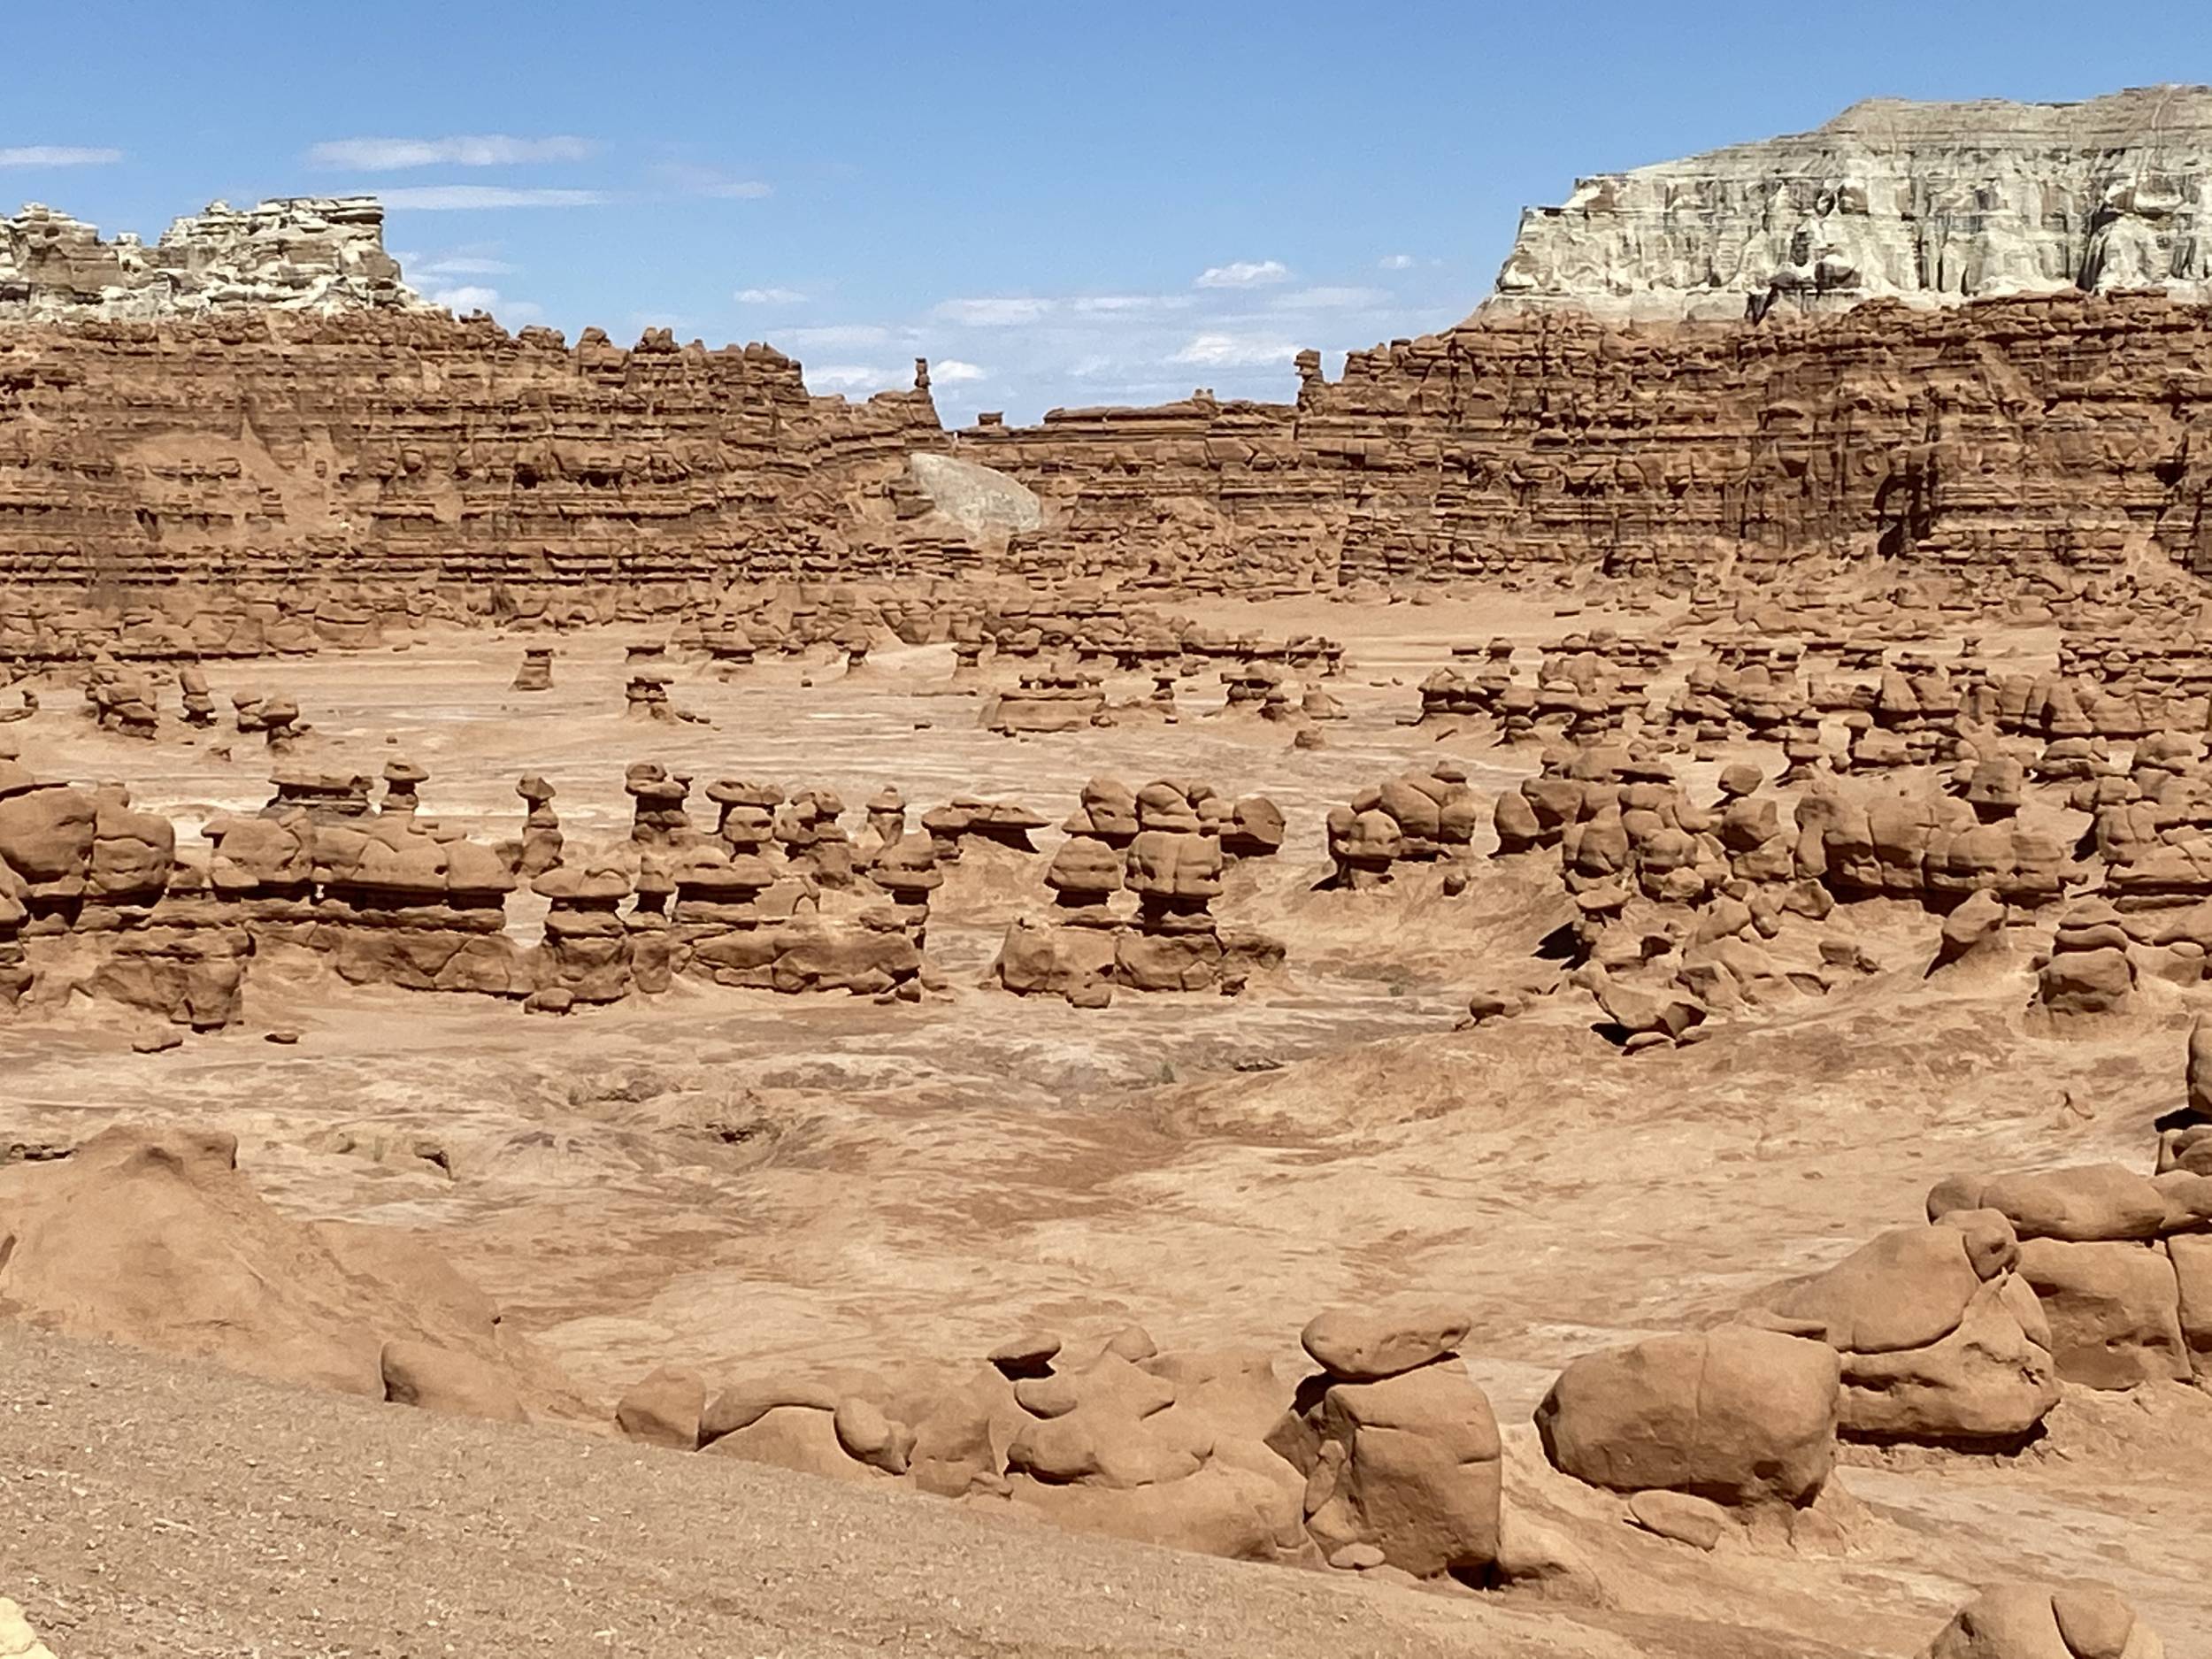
x,y
317,254
1932,204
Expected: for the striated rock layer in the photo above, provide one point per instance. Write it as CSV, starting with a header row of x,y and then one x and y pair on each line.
x,y
1930,203
409,448
323,254
2002,442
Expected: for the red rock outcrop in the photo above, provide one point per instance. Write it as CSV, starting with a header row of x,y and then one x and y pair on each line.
x,y
2006,439
365,454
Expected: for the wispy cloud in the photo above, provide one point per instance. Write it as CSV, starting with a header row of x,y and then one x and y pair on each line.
x,y
837,335
461,197
769,296
480,150
1234,351
470,297
953,372
845,377
58,155
695,180
1002,311
1395,262
1332,299
1128,304
466,298
1244,274
456,265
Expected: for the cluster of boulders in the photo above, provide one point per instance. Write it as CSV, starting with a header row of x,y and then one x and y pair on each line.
x,y
1164,844
276,717
1061,698
2119,1263
1846,703
1386,1455
1420,817
41,630
124,698
1666,887
773,897
2080,1619
1588,688
95,896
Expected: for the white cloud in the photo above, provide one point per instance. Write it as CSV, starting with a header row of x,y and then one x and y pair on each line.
x,y
695,180
1395,262
1243,273
1234,351
439,197
845,377
769,296
1332,299
469,297
58,155
457,266
838,334
1008,311
952,372
482,150
1129,304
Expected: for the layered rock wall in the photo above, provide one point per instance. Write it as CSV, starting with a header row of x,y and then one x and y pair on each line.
x,y
2001,442
407,449
1929,203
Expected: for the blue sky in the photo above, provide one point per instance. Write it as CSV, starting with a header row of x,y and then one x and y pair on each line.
x,y
1055,202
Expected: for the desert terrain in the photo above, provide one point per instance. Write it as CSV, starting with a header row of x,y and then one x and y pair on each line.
x,y
752,1186
1550,1001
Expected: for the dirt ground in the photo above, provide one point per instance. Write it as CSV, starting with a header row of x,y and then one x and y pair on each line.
x,y
738,1181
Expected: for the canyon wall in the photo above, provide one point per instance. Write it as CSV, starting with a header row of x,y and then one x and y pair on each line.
x,y
259,406
404,448
1928,203
1999,443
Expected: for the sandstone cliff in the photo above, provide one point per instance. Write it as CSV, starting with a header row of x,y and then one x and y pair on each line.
x,y
323,254
410,448
1928,203
2001,444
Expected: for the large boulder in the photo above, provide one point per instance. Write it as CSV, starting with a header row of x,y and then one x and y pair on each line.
x,y
2113,1309
2084,1202
2190,1254
663,1407
1736,1415
1369,1344
1940,1341
1904,1289
2078,1620
1989,1383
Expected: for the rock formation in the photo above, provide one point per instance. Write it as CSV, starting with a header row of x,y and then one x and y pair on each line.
x,y
1927,202
316,254
300,459
1810,444
2080,1619
154,1237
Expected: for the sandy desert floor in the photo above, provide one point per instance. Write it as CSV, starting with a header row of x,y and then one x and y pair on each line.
x,y
742,1182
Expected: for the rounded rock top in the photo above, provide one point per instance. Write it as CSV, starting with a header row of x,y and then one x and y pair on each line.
x,y
1362,1345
